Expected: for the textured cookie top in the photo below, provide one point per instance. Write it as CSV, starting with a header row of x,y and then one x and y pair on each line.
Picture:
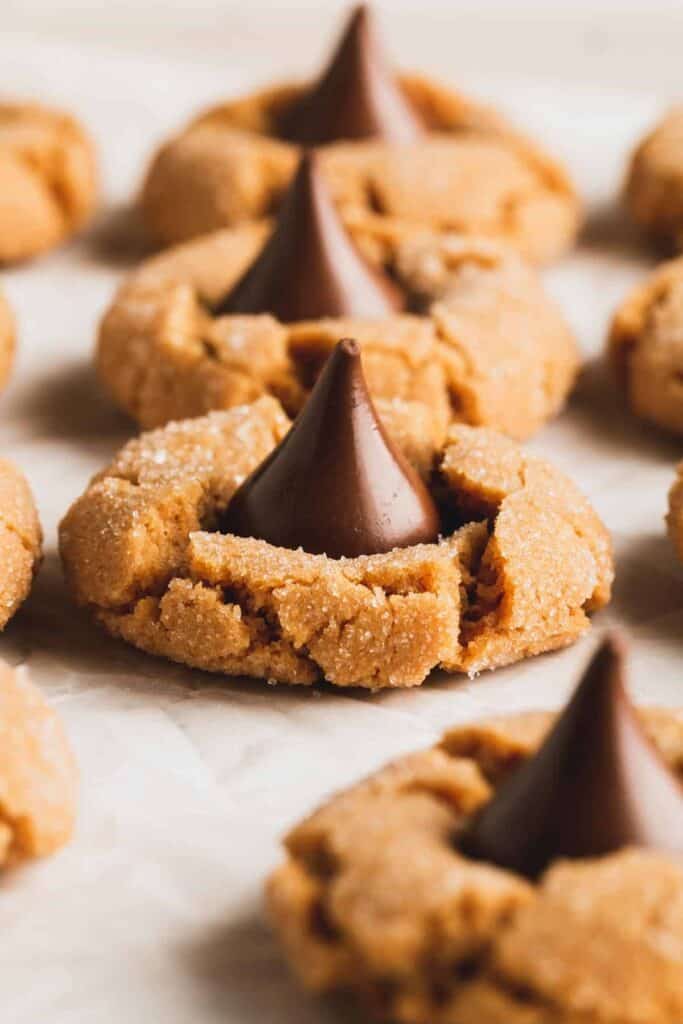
x,y
38,776
525,562
645,347
20,540
375,898
469,173
490,347
48,179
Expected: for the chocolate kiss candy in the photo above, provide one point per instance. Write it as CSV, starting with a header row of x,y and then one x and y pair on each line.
x,y
309,268
335,485
356,97
596,785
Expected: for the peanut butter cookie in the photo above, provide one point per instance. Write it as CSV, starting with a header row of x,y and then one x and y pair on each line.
x,y
654,185
38,777
404,153
20,540
645,347
378,898
48,179
490,348
523,561
7,340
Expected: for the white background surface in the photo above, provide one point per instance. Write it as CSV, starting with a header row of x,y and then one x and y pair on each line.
x,y
153,913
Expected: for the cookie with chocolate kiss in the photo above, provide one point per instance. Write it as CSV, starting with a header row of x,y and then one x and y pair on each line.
x,y
309,268
574,913
407,155
596,785
336,484
314,551
258,309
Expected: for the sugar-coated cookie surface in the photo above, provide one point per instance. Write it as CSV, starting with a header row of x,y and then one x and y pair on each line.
x,y
20,540
374,899
520,576
654,185
470,173
645,347
492,348
48,179
38,775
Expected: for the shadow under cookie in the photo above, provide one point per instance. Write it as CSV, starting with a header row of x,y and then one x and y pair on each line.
x,y
67,403
598,404
238,972
117,237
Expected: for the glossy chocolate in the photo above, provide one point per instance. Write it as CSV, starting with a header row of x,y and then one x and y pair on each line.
x,y
335,485
597,784
309,268
356,97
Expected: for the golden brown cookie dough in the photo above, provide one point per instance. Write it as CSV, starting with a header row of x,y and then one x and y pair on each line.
x,y
491,349
645,347
38,777
471,174
519,577
7,340
20,540
374,899
48,179
654,185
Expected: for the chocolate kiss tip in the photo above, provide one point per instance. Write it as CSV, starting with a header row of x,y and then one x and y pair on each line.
x,y
335,484
309,267
596,785
356,97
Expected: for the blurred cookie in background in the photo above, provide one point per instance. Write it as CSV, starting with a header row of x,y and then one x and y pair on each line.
x,y
48,179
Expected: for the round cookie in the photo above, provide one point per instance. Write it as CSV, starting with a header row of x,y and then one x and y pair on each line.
x,y
526,561
20,540
48,179
491,348
38,775
449,164
654,184
645,347
375,899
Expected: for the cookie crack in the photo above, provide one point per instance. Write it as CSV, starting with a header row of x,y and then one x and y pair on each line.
x,y
29,544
